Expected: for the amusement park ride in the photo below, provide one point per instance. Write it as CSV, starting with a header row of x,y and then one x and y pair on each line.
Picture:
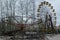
x,y
45,13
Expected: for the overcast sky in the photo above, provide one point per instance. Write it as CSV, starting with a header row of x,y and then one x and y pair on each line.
x,y
56,5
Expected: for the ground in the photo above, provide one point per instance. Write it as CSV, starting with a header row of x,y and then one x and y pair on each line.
x,y
47,37
54,37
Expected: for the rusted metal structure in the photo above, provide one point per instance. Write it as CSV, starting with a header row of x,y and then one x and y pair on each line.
x,y
18,15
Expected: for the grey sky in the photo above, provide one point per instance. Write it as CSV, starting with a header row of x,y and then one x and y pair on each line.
x,y
56,5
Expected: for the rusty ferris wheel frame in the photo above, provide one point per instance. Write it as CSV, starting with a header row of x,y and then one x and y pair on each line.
x,y
51,8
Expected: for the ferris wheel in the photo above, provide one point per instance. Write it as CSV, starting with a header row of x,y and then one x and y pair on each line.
x,y
46,9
